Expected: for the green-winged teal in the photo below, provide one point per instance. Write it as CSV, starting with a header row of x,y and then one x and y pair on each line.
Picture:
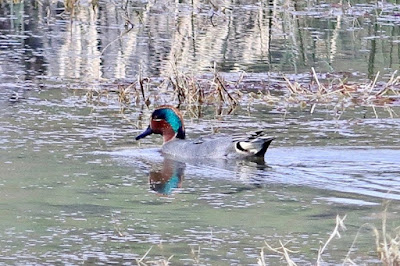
x,y
168,122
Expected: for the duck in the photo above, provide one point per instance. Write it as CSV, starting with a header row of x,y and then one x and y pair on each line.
x,y
167,121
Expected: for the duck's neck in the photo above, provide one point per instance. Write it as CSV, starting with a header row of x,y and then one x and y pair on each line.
x,y
169,136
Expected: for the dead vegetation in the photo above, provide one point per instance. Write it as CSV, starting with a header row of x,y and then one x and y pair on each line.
x,y
387,244
233,90
190,90
143,261
387,241
345,94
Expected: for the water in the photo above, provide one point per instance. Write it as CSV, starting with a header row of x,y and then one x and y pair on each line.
x,y
76,188
43,43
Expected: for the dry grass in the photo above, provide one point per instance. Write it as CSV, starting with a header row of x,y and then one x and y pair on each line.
x,y
190,90
387,244
161,262
178,88
284,251
344,94
195,254
281,250
335,233
221,90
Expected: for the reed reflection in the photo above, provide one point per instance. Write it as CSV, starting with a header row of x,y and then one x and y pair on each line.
x,y
91,43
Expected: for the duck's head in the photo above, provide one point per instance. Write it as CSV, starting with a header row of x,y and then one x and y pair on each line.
x,y
166,121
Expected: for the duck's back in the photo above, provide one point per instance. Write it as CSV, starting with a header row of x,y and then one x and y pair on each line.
x,y
217,146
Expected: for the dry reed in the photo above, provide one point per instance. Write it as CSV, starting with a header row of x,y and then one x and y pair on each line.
x,y
387,245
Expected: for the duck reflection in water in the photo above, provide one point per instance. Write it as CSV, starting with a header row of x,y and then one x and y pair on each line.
x,y
165,180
